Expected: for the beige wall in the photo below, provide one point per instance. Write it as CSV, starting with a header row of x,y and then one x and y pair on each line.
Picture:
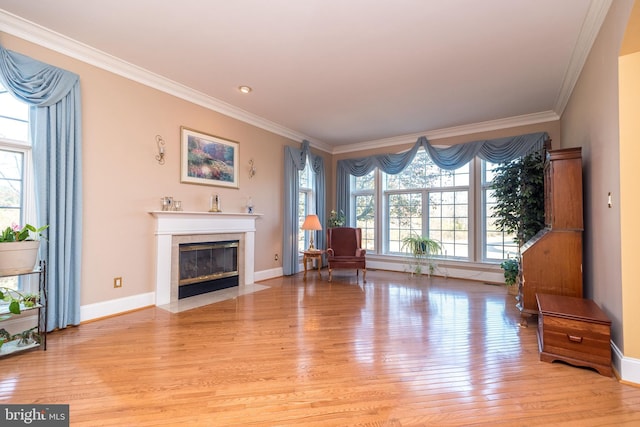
x,y
123,181
629,176
590,120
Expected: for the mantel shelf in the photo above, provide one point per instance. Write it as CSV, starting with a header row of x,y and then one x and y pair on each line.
x,y
187,214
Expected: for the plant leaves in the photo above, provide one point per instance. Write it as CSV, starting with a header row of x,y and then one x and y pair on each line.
x,y
14,307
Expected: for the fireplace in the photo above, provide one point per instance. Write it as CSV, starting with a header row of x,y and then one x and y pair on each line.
x,y
174,229
206,267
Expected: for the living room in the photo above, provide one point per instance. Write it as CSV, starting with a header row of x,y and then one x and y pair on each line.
x,y
123,181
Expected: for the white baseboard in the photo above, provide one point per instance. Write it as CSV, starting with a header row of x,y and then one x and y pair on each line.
x,y
443,270
121,305
116,306
627,368
267,274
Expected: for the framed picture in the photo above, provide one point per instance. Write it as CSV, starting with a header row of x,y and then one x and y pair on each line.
x,y
208,159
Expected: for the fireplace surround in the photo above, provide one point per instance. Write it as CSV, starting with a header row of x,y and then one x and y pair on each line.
x,y
173,228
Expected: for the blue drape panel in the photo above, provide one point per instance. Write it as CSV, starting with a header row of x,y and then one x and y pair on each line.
x,y
498,150
493,150
294,161
55,115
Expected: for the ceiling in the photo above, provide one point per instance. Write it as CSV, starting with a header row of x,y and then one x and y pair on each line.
x,y
340,73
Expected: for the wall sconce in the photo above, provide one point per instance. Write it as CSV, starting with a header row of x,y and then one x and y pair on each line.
x,y
252,169
160,155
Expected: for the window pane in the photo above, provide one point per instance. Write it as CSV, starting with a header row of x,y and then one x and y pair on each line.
x,y
366,182
14,125
405,218
498,245
11,191
449,222
302,214
14,117
303,176
423,173
365,219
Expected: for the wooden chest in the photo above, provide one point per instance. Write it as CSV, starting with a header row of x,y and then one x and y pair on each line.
x,y
574,330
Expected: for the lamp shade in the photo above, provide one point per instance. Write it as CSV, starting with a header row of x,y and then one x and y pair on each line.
x,y
311,222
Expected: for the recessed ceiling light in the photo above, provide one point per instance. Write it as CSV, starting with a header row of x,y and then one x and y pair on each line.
x,y
244,89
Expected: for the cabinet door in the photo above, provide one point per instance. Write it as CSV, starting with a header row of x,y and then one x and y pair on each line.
x,y
563,189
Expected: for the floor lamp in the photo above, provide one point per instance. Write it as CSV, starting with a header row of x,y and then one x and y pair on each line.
x,y
312,223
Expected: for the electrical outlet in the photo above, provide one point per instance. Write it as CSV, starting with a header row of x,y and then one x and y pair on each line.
x,y
275,258
117,282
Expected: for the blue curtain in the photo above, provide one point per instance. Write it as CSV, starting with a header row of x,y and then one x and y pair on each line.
x,y
294,161
493,150
54,98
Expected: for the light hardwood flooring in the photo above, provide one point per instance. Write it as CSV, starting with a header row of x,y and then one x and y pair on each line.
x,y
395,351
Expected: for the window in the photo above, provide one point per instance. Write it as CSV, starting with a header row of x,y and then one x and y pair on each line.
x,y
307,206
363,202
498,245
428,201
16,194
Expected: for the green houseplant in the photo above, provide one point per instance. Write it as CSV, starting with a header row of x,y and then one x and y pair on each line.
x,y
16,234
518,189
336,219
511,269
421,250
19,248
17,299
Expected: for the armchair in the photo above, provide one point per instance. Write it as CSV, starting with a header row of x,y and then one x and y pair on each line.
x,y
344,250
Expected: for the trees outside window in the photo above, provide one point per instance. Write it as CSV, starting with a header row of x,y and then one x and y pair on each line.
x,y
16,183
307,204
454,208
427,201
498,244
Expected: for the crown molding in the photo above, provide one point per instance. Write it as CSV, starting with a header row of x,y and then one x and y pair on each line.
x,y
509,122
591,27
29,31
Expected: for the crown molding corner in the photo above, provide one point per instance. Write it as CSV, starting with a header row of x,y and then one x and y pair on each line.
x,y
596,15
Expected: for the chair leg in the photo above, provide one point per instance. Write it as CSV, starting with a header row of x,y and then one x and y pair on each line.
x,y
364,275
330,271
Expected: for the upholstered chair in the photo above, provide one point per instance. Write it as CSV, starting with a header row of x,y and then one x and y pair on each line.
x,y
344,250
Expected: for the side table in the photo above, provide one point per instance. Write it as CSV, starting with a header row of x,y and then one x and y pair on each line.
x,y
310,256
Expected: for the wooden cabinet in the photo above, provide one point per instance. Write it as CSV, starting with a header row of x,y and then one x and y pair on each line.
x,y
551,262
574,330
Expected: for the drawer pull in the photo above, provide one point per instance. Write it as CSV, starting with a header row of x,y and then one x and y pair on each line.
x,y
574,338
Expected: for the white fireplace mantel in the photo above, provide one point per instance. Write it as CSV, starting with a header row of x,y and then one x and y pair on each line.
x,y
174,224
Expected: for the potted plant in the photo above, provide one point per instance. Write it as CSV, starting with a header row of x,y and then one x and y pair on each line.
x,y
16,300
421,249
19,248
336,219
518,188
511,269
27,337
4,336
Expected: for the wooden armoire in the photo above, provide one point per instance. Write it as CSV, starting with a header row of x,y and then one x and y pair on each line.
x,y
551,262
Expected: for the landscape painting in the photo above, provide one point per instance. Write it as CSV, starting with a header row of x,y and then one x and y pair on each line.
x,y
208,159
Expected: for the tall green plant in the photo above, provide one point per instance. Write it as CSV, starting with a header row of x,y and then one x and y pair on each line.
x,y
518,188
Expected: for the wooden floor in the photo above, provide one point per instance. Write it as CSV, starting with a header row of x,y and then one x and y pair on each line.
x,y
392,352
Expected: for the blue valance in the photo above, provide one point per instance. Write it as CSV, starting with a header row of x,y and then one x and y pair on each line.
x,y
498,150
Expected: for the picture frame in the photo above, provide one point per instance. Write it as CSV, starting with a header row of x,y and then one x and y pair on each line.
x,y
208,159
